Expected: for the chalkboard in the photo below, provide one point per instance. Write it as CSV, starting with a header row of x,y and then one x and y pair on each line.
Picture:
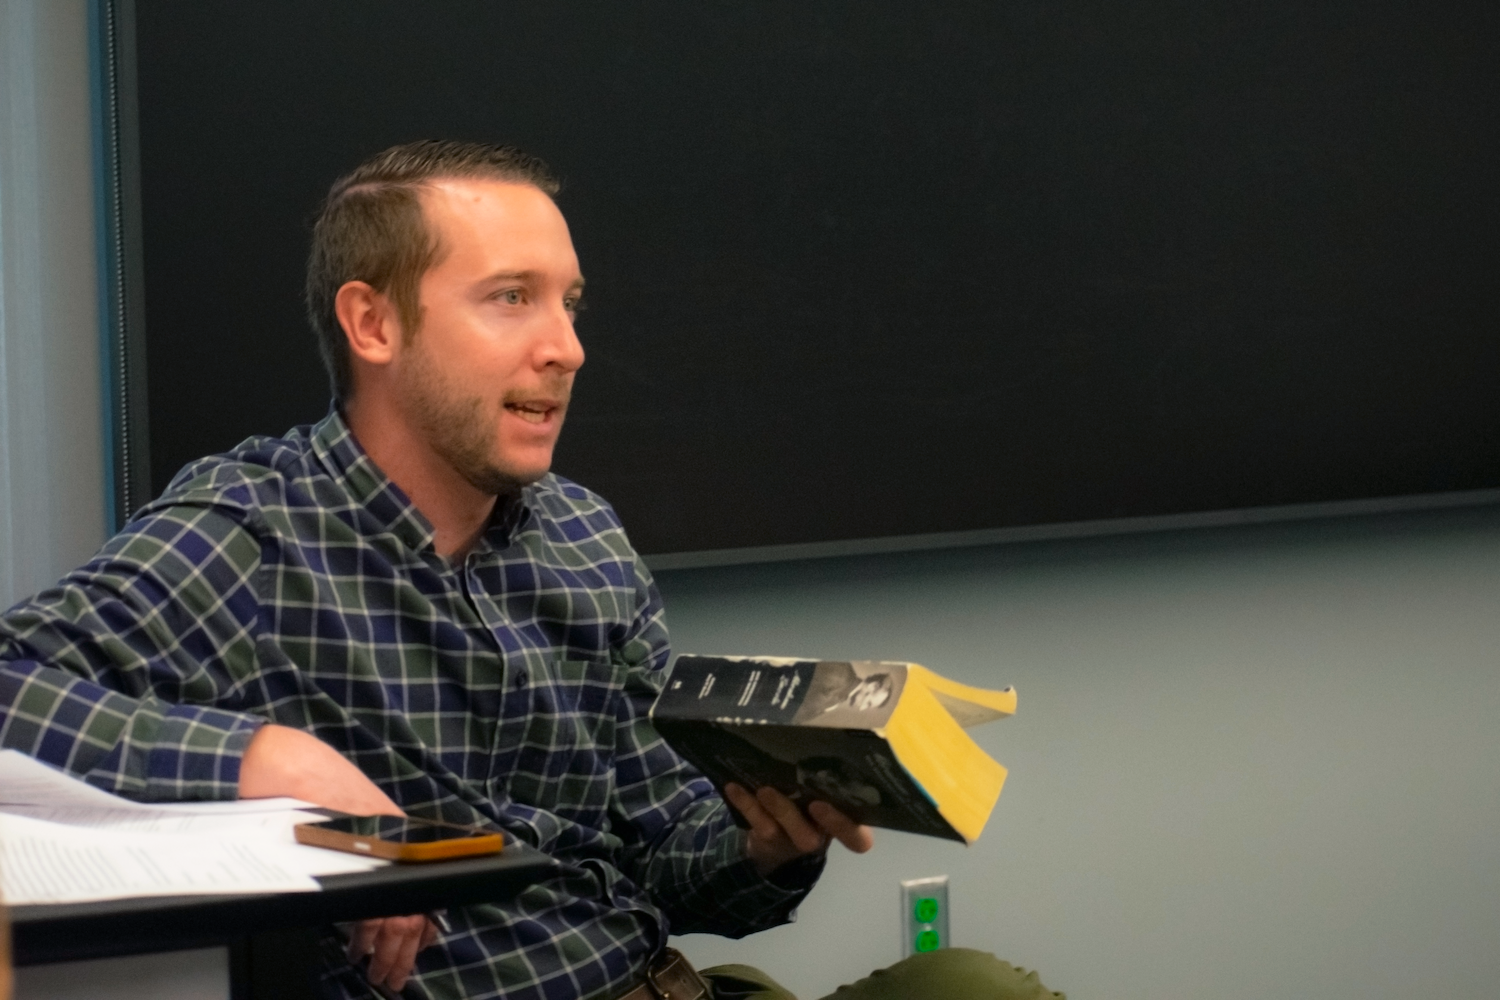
x,y
877,268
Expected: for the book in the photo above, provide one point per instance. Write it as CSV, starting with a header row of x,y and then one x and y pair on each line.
x,y
882,742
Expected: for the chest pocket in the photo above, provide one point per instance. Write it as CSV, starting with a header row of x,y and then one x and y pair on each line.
x,y
566,761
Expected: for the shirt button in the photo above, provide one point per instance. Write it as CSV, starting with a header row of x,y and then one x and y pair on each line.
x,y
520,679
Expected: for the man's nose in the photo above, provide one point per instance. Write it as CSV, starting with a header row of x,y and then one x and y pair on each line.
x,y
559,344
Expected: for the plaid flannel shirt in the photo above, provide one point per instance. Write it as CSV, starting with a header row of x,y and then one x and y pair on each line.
x,y
290,581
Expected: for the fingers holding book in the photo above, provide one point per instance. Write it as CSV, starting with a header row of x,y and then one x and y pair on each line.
x,y
781,832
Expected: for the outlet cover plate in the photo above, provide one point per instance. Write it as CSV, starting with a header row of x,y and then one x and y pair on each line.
x,y
924,915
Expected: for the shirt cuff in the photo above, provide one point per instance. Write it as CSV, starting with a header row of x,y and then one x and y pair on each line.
x,y
139,748
772,899
197,753
800,874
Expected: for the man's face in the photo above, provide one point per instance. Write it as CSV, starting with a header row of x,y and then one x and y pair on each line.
x,y
485,380
869,694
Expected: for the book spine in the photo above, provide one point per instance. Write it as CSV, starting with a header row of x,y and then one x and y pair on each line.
x,y
736,692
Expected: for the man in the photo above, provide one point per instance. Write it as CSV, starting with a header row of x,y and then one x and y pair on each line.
x,y
400,610
839,694
869,694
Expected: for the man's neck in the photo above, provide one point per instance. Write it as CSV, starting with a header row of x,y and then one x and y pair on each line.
x,y
458,512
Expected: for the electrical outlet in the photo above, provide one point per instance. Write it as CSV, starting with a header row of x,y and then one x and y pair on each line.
x,y
924,914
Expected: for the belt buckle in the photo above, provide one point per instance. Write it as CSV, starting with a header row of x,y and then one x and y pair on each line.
x,y
660,992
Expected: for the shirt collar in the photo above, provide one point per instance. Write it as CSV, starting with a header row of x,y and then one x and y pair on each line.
x,y
371,489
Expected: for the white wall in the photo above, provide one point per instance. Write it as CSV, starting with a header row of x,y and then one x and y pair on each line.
x,y
1246,763
52,503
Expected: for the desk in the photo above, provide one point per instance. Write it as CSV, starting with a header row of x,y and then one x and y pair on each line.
x,y
271,936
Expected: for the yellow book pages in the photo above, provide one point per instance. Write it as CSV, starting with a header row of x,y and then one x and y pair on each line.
x,y
969,706
957,775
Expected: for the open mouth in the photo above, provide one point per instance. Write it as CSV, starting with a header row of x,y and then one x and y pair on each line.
x,y
532,411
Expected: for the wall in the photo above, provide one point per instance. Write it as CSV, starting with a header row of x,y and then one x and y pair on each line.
x,y
1246,763
52,499
52,511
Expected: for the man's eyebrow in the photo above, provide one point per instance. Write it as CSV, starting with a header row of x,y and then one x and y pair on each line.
x,y
528,276
511,276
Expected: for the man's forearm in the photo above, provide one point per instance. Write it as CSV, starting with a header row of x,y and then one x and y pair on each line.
x,y
142,748
285,761
131,672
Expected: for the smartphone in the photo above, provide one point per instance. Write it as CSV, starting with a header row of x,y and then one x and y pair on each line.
x,y
399,838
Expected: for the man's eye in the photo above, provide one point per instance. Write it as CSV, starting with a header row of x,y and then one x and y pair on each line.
x,y
512,296
575,306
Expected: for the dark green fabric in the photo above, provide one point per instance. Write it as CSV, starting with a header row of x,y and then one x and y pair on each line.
x,y
948,974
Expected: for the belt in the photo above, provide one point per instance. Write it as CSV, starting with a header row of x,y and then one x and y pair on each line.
x,y
671,977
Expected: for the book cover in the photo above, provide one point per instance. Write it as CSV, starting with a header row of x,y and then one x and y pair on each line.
x,y
881,741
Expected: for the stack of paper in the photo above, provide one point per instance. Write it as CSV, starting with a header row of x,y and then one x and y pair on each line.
x,y
63,841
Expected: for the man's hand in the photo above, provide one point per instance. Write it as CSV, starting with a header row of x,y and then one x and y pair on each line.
x,y
285,761
392,945
780,833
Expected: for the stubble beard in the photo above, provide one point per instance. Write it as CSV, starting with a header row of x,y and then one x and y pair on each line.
x,y
460,430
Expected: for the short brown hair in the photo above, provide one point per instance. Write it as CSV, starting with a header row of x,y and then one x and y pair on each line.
x,y
370,228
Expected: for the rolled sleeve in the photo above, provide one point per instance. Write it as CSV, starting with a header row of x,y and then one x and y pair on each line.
x,y
141,748
131,672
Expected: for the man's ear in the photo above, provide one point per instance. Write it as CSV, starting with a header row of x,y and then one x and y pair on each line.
x,y
370,322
